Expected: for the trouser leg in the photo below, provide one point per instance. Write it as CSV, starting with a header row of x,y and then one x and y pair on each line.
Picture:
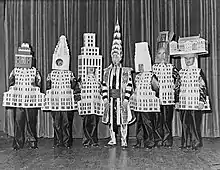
x,y
19,128
139,129
65,129
124,131
167,112
58,137
196,128
148,119
31,117
185,120
158,128
70,119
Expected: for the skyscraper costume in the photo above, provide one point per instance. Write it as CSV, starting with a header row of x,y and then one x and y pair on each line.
x,y
145,99
116,90
168,75
191,89
62,91
91,105
24,97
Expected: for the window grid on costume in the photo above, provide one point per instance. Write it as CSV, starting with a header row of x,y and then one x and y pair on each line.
x,y
23,93
166,82
189,90
144,99
89,57
91,100
60,96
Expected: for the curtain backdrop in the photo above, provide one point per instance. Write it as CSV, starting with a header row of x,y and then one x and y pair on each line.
x,y
41,23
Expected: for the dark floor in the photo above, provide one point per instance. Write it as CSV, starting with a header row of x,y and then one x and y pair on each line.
x,y
208,158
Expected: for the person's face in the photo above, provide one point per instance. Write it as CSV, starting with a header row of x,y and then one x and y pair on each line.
x,y
59,62
141,68
116,59
162,56
189,59
90,70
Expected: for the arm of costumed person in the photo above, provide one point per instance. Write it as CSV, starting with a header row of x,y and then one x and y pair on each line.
x,y
38,80
177,84
155,85
176,78
11,80
75,85
202,90
48,83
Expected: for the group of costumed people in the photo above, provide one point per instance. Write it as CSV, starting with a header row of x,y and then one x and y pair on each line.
x,y
146,96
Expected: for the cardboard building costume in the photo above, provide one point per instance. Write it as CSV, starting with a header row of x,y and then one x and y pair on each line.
x,y
24,97
167,75
145,100
116,90
91,104
191,91
62,89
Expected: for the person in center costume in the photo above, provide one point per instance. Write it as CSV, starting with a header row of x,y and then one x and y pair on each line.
x,y
192,94
145,99
116,91
61,95
168,75
24,97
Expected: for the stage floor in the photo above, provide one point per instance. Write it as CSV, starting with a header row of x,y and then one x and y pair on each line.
x,y
207,158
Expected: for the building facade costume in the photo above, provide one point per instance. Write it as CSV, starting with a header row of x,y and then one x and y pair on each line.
x,y
191,90
91,104
168,75
145,100
24,97
60,98
116,90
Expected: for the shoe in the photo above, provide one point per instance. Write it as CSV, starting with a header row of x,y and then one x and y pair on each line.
x,y
95,145
33,145
86,145
124,146
16,148
137,145
158,144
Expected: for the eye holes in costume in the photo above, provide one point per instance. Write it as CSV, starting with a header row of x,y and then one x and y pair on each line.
x,y
59,62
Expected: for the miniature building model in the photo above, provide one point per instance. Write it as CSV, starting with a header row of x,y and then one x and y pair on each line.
x,y
193,44
23,93
144,99
60,97
91,101
89,57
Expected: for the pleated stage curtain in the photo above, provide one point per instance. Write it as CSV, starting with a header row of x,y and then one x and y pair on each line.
x,y
42,22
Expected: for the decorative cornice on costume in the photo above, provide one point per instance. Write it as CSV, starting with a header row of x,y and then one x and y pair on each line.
x,y
23,58
186,45
89,57
61,57
142,57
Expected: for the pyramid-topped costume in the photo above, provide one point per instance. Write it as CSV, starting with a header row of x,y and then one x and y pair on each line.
x,y
144,98
60,96
190,75
24,80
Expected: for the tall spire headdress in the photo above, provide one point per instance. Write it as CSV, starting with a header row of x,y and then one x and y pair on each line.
x,y
116,43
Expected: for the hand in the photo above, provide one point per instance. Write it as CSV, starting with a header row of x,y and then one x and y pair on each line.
x,y
201,105
77,97
177,105
106,106
125,106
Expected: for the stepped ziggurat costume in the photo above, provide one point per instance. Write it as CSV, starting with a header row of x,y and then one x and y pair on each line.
x,y
24,97
61,95
168,75
145,99
91,105
192,94
116,91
